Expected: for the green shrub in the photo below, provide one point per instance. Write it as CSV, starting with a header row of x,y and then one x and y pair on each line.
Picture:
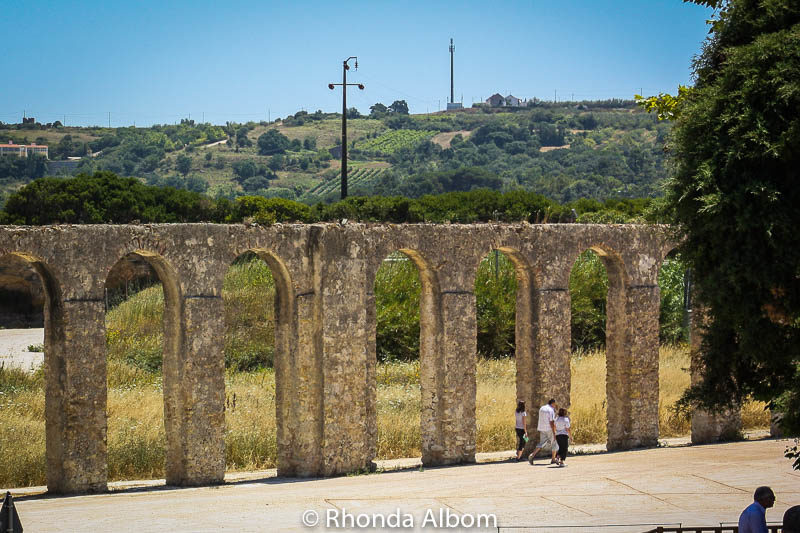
x,y
588,285
496,301
397,293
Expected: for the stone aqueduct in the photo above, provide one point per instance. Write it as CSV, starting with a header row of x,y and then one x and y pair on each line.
x,y
325,361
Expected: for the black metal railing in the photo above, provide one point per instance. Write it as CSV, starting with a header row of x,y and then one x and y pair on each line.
x,y
670,528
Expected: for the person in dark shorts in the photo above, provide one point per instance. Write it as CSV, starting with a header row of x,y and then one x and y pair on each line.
x,y
563,434
521,428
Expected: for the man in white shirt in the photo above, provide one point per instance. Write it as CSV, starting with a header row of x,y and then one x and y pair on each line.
x,y
547,431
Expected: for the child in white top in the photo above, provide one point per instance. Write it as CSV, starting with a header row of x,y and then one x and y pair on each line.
x,y
563,434
521,428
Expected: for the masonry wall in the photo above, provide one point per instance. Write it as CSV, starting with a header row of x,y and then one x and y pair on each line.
x,y
325,359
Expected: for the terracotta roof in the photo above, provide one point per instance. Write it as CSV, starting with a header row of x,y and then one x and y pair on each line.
x,y
23,145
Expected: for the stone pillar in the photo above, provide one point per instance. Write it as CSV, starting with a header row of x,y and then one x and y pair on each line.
x,y
75,396
459,330
706,426
302,419
525,339
633,369
431,372
775,429
370,374
299,403
194,392
551,355
344,353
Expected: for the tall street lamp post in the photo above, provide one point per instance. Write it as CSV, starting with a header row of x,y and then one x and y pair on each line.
x,y
344,84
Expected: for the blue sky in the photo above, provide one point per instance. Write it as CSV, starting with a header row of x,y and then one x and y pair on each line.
x,y
151,62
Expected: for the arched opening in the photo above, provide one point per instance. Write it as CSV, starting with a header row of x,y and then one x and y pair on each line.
x,y
676,314
499,310
673,336
31,319
144,340
588,289
405,340
256,294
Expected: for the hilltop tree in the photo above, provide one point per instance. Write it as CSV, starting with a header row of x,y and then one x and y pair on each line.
x,y
377,110
733,203
242,140
272,142
400,107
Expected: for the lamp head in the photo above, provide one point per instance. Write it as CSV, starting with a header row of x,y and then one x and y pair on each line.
x,y
330,86
361,86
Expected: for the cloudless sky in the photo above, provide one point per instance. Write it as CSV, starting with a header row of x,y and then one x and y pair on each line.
x,y
152,61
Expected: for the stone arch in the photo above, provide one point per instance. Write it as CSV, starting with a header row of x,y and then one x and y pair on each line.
x,y
430,357
58,447
525,320
618,362
526,317
175,418
288,401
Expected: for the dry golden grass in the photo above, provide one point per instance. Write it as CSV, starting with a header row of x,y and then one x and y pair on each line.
x,y
136,429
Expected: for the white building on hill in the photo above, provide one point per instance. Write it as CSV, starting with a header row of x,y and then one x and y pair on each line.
x,y
22,150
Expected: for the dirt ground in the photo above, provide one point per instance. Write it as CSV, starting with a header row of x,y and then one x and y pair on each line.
x,y
609,492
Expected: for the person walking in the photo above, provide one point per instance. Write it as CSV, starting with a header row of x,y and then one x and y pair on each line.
x,y
547,431
563,435
754,518
521,428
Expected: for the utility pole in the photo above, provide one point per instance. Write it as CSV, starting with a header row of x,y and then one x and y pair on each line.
x,y
344,84
109,119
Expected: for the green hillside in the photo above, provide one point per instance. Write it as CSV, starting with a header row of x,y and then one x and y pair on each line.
x,y
566,151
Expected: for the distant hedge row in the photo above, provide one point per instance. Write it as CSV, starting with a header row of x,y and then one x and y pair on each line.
x,y
105,197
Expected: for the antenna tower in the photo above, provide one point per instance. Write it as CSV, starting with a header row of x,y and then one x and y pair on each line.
x,y
452,49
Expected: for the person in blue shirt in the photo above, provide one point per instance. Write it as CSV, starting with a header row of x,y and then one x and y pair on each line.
x,y
754,518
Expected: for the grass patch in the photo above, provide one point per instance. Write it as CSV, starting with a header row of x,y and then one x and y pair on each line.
x,y
136,429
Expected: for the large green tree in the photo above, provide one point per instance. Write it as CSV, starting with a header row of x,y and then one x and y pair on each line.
x,y
733,200
104,198
272,142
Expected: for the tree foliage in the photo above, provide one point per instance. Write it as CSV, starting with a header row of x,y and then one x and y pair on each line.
x,y
733,201
183,164
272,142
102,198
400,107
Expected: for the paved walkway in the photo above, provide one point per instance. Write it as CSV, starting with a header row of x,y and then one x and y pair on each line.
x,y
697,485
14,348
